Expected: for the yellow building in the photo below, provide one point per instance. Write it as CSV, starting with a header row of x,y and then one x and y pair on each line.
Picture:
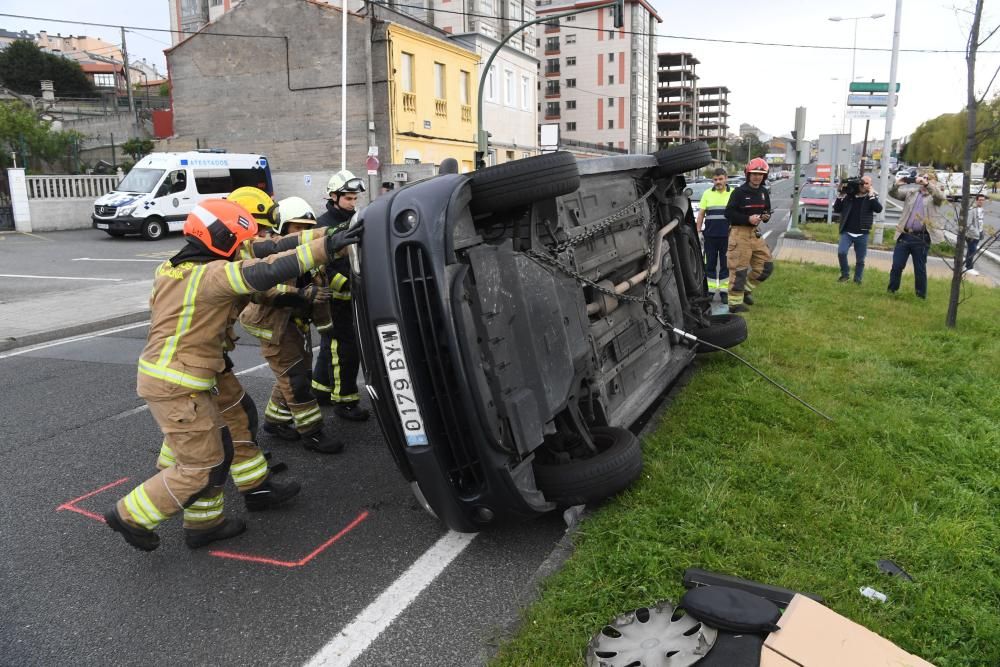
x,y
432,98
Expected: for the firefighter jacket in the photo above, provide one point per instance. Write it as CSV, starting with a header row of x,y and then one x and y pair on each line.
x,y
745,201
270,313
192,306
338,269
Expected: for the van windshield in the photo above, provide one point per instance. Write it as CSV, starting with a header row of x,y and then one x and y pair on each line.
x,y
140,180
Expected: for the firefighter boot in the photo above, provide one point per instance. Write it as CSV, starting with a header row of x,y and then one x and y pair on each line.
x,y
140,538
747,299
195,539
280,431
351,411
270,494
317,441
738,308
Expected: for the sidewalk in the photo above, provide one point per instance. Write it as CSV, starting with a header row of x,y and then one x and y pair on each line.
x,y
814,252
69,313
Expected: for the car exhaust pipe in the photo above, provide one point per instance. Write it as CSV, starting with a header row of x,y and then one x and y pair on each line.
x,y
606,304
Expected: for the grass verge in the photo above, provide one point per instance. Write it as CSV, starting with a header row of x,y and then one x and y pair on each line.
x,y
820,231
741,480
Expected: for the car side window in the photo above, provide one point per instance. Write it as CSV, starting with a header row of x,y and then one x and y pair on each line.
x,y
175,182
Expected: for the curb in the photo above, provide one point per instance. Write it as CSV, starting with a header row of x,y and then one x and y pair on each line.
x,y
13,343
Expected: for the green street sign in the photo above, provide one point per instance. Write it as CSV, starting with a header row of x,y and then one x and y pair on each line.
x,y
871,87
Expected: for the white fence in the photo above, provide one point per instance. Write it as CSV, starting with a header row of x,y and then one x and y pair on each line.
x,y
70,187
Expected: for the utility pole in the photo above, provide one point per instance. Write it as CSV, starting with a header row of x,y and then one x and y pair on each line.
x,y
128,77
798,136
883,188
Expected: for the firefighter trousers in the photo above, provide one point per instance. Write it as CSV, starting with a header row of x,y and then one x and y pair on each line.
x,y
338,362
199,439
291,400
749,261
249,469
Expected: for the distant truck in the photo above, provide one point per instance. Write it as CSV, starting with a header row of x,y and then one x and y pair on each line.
x,y
156,196
950,184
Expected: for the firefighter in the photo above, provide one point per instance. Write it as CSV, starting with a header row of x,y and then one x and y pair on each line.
x,y
335,379
280,319
191,307
249,469
747,255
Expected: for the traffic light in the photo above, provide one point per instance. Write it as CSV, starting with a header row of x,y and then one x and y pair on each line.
x,y
619,13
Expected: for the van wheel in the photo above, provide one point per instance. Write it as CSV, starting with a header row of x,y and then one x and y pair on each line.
x,y
154,229
692,264
686,157
616,465
523,182
725,331
117,234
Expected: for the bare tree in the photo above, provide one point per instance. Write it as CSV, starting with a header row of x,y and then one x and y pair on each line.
x,y
971,141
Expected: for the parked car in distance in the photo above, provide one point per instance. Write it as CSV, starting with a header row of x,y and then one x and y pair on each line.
x,y
815,201
697,190
502,365
907,176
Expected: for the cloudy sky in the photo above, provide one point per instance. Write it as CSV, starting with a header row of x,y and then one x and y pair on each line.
x,y
767,82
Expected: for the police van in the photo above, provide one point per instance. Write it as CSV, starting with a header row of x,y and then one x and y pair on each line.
x,y
157,195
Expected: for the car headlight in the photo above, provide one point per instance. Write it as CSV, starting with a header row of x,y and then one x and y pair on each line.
x,y
125,211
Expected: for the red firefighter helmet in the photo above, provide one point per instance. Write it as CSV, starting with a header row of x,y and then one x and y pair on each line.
x,y
220,225
757,166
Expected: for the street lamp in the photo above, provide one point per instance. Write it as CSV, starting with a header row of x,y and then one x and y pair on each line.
x,y
854,55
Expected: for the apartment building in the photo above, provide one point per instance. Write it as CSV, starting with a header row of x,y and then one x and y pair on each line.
x,y
713,119
677,98
595,80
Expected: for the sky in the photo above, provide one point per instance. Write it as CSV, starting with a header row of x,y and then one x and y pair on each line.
x,y
766,83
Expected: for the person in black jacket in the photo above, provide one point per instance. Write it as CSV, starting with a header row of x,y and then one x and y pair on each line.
x,y
335,377
857,205
748,256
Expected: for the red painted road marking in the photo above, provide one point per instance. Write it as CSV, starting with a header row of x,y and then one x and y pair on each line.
x,y
292,563
71,504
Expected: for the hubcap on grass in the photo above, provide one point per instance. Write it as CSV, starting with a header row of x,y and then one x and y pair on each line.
x,y
657,636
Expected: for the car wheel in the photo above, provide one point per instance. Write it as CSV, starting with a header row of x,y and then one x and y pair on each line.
x,y
524,182
725,331
689,257
616,465
678,159
116,234
154,229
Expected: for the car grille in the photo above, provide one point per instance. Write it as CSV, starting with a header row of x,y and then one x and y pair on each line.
x,y
432,368
105,211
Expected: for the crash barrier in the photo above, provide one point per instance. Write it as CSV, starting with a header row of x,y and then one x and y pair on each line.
x,y
70,187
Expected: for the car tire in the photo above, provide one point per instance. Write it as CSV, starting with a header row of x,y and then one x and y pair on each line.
x,y
686,157
690,259
524,182
116,234
725,331
617,464
154,229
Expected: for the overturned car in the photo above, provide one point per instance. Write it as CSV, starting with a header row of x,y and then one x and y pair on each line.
x,y
513,322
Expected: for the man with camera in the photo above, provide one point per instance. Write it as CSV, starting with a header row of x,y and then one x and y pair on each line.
x,y
857,205
920,218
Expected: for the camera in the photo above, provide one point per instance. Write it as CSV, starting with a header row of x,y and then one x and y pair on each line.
x,y
852,186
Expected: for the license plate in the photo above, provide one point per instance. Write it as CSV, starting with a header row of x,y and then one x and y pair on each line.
x,y
402,388
100,226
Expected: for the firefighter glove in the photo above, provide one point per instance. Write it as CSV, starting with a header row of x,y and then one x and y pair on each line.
x,y
315,294
338,240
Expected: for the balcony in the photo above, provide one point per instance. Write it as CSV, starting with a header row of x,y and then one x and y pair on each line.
x,y
410,102
552,89
551,26
551,71
552,46
441,107
466,113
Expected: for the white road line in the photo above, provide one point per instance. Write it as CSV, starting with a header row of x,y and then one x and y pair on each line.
x,y
95,259
359,634
766,234
71,339
19,275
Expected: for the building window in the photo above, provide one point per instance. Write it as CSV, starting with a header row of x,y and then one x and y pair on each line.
x,y
570,127
552,45
570,61
525,92
571,83
104,80
611,101
552,110
552,66
568,18
406,75
440,91
570,104
552,87
611,79
463,86
491,84
611,34
509,93
571,39
611,57
611,124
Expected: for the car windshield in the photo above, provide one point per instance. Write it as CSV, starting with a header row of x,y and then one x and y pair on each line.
x,y
698,189
140,180
816,192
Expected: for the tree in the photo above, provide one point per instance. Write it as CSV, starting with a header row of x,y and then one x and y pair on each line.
x,y
164,89
23,66
137,148
33,139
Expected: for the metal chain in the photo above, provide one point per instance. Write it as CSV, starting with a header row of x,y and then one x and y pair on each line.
x,y
596,229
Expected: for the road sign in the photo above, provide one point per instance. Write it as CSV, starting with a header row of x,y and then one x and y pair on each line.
x,y
372,165
869,100
870,87
866,114
835,149
823,171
